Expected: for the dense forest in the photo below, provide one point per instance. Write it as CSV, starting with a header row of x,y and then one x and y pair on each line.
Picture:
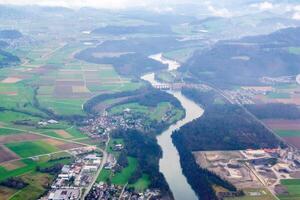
x,y
222,127
132,54
146,96
10,34
250,58
275,111
145,149
7,59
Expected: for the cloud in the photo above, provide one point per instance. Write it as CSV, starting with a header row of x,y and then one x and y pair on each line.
x,y
109,4
263,6
219,12
296,16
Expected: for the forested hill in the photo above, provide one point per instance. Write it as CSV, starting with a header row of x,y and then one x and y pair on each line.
x,y
10,34
7,59
130,56
246,60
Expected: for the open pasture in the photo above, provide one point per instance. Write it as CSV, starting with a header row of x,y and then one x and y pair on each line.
x,y
31,148
293,189
19,137
289,130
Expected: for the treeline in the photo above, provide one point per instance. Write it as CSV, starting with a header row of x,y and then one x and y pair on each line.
x,y
145,149
203,98
15,183
135,61
53,170
146,96
221,63
7,59
10,34
222,127
275,111
152,97
89,106
201,180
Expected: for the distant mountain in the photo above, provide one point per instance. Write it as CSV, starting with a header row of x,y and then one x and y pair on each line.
x,y
246,60
10,34
7,59
3,44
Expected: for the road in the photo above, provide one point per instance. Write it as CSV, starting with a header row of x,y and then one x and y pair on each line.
x,y
247,111
104,160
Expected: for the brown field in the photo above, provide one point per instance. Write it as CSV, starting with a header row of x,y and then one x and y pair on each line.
x,y
66,146
12,165
53,142
283,124
9,93
61,144
80,89
63,133
295,141
6,193
62,91
19,137
6,154
11,80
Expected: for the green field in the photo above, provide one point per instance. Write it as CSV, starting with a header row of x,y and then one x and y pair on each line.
x,y
6,131
37,185
255,194
154,113
293,188
141,184
181,55
288,133
276,95
104,176
31,148
294,50
123,177
29,165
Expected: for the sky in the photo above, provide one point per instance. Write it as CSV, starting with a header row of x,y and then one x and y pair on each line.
x,y
215,7
110,4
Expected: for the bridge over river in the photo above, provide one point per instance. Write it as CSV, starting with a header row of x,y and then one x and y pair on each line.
x,y
178,86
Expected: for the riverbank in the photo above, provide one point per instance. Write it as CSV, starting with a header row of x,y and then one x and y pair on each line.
x,y
169,164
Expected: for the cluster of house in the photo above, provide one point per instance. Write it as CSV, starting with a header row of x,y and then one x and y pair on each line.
x,y
246,95
274,80
272,165
74,177
106,191
45,123
101,126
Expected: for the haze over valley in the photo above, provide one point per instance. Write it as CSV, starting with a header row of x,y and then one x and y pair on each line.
x,y
151,100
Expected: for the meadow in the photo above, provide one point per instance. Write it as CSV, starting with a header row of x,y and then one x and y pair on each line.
x,y
293,188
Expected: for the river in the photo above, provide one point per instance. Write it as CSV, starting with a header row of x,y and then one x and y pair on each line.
x,y
169,164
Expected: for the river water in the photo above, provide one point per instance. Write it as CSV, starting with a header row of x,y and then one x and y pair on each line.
x,y
169,164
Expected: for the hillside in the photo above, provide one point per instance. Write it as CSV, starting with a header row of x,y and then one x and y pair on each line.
x,y
10,34
246,60
7,59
